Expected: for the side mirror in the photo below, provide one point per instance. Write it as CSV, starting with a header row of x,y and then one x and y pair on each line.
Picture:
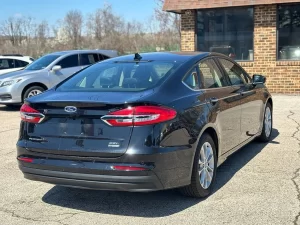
x,y
258,79
56,68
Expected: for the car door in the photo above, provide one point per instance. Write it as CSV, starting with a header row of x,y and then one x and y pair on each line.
x,y
69,65
250,98
87,59
223,103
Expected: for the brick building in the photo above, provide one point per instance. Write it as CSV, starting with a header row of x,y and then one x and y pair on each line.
x,y
261,35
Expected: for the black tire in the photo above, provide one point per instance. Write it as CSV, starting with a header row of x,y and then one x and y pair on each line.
x,y
30,89
195,189
265,137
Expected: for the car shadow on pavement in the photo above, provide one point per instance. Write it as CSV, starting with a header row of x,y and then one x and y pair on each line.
x,y
153,204
11,108
239,159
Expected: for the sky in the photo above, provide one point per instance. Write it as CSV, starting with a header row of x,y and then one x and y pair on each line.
x,y
52,10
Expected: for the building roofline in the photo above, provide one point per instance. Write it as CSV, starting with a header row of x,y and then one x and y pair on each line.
x,y
176,6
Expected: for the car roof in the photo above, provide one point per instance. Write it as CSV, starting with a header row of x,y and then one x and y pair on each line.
x,y
164,56
23,58
110,53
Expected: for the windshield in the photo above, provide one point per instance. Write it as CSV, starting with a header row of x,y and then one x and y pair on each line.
x,y
42,62
119,76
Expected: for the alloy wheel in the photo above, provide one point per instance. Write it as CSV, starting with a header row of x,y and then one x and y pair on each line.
x,y
268,122
206,165
33,93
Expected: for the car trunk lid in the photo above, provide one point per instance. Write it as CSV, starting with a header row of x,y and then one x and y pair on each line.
x,y
79,133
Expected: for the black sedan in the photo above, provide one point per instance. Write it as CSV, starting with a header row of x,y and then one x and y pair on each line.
x,y
144,122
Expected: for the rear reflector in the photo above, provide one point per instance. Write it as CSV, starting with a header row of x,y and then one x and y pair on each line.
x,y
129,168
25,159
139,116
30,115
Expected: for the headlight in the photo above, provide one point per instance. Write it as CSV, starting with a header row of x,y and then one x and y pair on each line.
x,y
9,82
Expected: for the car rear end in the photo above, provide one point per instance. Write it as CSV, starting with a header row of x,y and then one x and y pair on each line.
x,y
107,141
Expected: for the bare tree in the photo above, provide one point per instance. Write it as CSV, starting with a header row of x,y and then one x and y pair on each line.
x,y
103,29
112,23
27,28
169,26
42,32
167,21
73,24
12,29
95,24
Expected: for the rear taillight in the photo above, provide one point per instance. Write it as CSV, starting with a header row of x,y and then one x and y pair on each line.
x,y
30,115
139,116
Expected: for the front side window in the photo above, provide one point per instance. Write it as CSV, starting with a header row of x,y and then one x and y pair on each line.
x,y
212,76
191,79
234,72
69,61
42,62
6,64
119,76
88,59
288,32
226,31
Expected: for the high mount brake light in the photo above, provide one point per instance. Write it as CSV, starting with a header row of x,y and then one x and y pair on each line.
x,y
31,115
139,116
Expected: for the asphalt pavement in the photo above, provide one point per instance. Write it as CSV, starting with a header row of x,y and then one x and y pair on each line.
x,y
257,185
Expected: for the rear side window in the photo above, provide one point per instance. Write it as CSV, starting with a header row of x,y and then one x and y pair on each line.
x,y
6,64
20,63
120,76
88,59
162,68
234,72
104,57
212,76
69,61
191,79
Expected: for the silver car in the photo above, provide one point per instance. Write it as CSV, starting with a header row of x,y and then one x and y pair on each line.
x,y
46,72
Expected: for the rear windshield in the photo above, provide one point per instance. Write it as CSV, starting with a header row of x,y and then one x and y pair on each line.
x,y
119,76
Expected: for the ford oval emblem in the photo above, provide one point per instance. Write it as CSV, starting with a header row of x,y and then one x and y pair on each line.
x,y
70,109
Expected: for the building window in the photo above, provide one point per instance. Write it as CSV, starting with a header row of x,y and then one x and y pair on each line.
x,y
227,31
288,32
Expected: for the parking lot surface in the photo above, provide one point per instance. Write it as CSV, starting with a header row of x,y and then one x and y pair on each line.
x,y
260,184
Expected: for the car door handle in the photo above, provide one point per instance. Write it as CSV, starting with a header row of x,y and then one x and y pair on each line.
x,y
247,92
213,100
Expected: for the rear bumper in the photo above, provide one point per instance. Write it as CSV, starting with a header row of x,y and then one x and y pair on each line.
x,y
164,170
92,181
